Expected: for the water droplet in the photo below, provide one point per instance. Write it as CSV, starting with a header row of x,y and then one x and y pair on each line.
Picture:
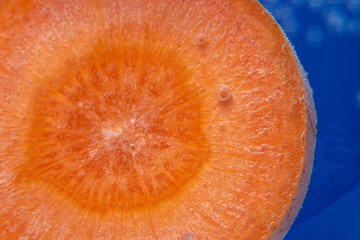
x,y
133,148
284,49
302,100
223,93
272,227
200,39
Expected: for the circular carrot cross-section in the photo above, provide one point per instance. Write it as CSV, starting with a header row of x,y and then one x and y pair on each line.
x,y
150,120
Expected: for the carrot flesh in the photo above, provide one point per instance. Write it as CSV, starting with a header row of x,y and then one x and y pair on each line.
x,y
150,120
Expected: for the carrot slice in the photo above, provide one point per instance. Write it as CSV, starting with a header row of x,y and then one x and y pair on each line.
x,y
150,120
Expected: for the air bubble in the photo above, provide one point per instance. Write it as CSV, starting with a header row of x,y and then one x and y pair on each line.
x,y
133,148
200,39
223,93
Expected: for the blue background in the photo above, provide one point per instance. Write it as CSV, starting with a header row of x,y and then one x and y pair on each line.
x,y
326,37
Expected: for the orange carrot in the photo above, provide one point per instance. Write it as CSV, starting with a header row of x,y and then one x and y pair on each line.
x,y
150,120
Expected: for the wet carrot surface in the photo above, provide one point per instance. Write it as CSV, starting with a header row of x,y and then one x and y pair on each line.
x,y
150,120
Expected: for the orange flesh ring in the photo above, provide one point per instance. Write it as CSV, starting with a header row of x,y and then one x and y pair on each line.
x,y
112,127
